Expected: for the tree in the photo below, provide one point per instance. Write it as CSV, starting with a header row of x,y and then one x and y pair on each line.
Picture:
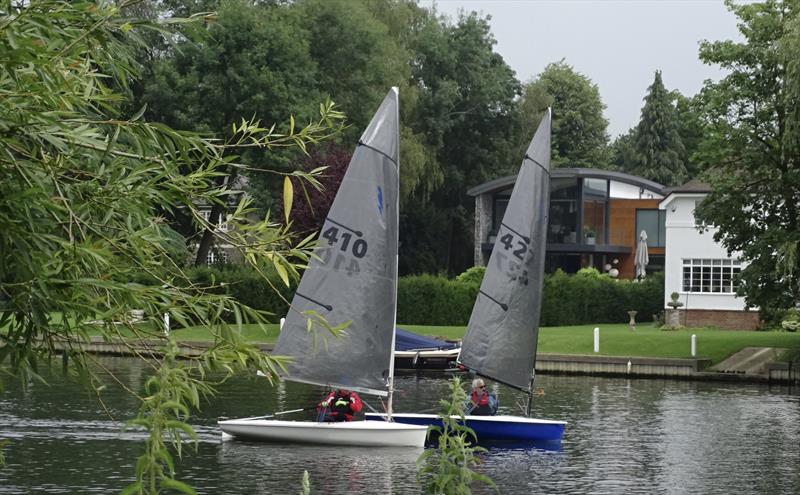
x,y
691,130
659,149
751,150
579,128
464,114
310,209
623,151
252,60
82,188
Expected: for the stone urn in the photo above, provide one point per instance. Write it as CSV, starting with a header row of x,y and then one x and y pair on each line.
x,y
632,323
672,316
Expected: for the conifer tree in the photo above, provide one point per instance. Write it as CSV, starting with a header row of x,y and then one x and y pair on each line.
x,y
660,154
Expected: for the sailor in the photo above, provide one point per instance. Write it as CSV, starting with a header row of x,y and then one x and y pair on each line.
x,y
481,401
339,405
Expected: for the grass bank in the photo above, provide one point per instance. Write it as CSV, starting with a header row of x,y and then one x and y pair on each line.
x,y
615,340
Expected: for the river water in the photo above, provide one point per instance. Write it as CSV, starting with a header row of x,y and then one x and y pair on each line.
x,y
624,436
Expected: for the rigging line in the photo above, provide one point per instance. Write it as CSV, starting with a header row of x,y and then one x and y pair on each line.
x,y
326,306
356,232
528,157
502,305
524,237
376,150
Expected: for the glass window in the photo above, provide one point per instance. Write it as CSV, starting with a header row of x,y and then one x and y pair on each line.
x,y
215,257
595,187
711,275
563,214
654,223
500,205
594,220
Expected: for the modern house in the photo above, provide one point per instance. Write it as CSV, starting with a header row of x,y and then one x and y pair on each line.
x,y
699,269
616,207
595,219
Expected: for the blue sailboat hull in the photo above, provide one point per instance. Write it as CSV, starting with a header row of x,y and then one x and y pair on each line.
x,y
491,428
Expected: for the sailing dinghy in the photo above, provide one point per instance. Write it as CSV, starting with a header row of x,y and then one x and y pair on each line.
x,y
500,342
354,279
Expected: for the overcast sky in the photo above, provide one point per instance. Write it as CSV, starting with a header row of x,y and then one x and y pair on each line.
x,y
618,44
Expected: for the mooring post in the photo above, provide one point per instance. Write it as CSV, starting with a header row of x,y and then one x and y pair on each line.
x,y
596,339
694,345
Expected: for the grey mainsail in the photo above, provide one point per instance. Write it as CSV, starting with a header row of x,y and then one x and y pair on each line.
x,y
500,342
357,276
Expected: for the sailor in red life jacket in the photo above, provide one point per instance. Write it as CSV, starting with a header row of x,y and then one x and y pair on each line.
x,y
481,402
339,405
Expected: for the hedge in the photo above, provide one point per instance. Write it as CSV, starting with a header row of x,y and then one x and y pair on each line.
x,y
586,297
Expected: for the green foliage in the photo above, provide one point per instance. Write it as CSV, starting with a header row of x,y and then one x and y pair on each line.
x,y
261,290
751,149
449,468
660,152
579,129
473,276
84,186
463,116
305,488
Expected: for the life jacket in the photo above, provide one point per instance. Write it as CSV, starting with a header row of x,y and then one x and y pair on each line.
x,y
342,406
480,403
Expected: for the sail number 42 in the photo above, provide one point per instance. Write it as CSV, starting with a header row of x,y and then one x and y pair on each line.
x,y
508,242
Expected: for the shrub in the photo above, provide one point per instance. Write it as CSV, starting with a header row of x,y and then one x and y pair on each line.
x,y
791,322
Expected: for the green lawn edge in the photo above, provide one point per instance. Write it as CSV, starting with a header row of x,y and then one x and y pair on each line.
x,y
615,339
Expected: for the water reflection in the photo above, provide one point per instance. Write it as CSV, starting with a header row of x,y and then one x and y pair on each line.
x,y
331,469
623,436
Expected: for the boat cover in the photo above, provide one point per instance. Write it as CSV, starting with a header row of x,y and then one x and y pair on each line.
x,y
408,341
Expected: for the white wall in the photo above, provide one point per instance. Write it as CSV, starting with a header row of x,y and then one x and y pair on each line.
x,y
622,190
685,241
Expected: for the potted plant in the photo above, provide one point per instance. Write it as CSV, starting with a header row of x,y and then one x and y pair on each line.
x,y
589,234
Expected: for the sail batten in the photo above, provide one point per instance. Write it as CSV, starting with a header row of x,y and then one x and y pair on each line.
x,y
353,276
501,338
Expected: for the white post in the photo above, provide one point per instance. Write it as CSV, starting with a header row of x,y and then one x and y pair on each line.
x,y
282,320
166,323
596,339
694,345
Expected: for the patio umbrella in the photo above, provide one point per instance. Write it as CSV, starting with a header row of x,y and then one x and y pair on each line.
x,y
641,259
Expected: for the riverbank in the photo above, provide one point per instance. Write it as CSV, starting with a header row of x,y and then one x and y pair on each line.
x,y
546,363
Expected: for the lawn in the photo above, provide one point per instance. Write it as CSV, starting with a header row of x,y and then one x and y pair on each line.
x,y
646,341
615,340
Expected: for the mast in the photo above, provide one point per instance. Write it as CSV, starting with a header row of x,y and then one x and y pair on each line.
x,y
395,90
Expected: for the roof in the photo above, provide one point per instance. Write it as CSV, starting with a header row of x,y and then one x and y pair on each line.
x,y
569,172
693,186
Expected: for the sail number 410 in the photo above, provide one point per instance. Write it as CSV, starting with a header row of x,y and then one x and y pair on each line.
x,y
358,247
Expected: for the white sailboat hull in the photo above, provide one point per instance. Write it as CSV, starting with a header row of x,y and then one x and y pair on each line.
x,y
357,433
